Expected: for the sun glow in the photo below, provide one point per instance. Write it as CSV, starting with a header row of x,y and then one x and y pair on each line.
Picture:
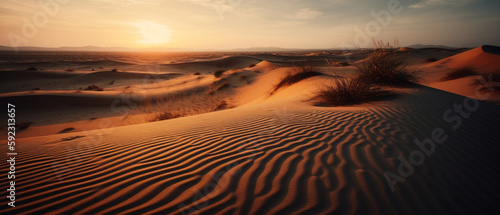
x,y
153,33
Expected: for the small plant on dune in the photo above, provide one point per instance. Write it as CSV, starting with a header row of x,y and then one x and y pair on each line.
x,y
94,88
218,73
66,130
114,70
385,68
251,66
221,106
348,92
163,115
244,78
69,70
300,72
218,86
196,73
459,73
32,68
333,63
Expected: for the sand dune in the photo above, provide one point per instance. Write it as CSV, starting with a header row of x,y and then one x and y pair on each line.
x,y
225,63
307,160
272,154
483,59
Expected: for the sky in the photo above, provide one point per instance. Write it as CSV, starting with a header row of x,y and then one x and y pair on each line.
x,y
228,24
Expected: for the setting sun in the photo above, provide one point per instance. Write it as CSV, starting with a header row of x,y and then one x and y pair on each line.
x,y
153,33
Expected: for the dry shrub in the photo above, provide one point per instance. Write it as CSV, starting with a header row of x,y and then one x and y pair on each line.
x,y
346,91
66,130
164,115
386,68
221,106
218,73
333,63
244,78
217,86
94,88
300,72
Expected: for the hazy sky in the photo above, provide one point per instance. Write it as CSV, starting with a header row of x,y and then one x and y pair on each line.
x,y
221,24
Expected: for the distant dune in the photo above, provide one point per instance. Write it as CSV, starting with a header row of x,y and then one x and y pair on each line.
x,y
432,149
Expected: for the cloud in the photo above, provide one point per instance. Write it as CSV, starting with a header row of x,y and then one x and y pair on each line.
x,y
306,13
427,3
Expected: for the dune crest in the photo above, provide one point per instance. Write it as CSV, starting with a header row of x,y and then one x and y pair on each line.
x,y
484,58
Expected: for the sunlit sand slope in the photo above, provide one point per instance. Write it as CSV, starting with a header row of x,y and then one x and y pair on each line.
x,y
273,158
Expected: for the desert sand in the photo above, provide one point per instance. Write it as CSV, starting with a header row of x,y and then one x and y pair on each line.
x,y
260,153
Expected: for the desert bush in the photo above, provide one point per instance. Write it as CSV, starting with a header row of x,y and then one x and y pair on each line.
x,y
245,78
218,73
385,68
332,63
342,63
300,72
114,70
218,86
66,130
221,106
459,73
251,66
94,88
32,68
69,70
196,73
163,115
348,92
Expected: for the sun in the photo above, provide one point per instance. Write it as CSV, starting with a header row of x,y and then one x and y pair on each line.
x,y
153,33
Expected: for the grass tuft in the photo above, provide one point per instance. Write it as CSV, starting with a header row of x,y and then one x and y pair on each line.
x,y
217,86
300,72
163,115
66,130
345,91
94,88
385,68
218,73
